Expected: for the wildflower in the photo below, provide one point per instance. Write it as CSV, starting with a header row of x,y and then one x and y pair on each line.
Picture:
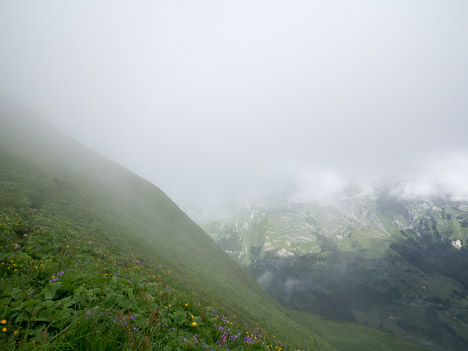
x,y
3,321
194,324
4,329
186,305
16,332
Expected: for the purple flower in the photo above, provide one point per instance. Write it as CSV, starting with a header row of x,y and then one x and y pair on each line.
x,y
132,316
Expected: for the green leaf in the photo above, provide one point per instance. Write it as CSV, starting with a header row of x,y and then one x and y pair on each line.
x,y
57,290
179,317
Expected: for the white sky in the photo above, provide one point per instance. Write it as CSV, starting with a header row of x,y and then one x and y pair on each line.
x,y
220,101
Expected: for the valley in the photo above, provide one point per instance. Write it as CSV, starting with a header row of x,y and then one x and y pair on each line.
x,y
395,265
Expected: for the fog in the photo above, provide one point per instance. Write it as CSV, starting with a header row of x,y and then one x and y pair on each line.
x,y
220,102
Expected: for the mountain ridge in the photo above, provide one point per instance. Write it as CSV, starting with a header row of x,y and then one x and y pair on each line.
x,y
44,172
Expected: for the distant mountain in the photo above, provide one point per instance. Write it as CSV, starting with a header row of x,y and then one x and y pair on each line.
x,y
90,248
396,265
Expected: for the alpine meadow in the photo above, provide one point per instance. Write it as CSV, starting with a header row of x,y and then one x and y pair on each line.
x,y
95,257
240,175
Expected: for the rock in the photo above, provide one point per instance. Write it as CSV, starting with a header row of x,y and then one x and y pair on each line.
x,y
457,244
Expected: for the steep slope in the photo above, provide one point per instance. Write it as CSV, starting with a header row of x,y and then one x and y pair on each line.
x,y
45,172
388,263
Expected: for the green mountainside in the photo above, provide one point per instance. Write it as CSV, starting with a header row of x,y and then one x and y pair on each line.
x,y
94,257
396,265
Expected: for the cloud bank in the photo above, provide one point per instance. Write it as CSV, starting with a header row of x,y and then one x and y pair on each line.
x,y
220,102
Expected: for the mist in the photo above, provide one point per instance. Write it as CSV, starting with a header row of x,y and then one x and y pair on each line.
x,y
222,102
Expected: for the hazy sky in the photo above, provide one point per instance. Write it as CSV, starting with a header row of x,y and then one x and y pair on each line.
x,y
219,101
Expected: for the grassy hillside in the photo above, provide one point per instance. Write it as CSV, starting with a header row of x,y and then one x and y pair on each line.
x,y
343,336
102,231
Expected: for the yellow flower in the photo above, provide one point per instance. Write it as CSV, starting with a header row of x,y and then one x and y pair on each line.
x,y
186,304
170,305
16,332
194,324
3,321
4,330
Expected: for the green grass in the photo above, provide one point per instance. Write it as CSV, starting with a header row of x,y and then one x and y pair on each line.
x,y
343,335
65,195
63,290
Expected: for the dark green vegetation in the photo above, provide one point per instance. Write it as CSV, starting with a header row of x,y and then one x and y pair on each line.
x,y
94,257
396,266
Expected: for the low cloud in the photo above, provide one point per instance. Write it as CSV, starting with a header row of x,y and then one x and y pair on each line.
x,y
221,103
444,176
318,185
